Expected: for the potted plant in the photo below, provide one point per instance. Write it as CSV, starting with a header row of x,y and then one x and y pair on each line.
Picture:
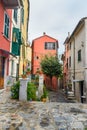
x,y
45,94
39,72
24,75
28,71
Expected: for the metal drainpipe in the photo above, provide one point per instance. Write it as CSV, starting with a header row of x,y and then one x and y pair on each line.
x,y
74,66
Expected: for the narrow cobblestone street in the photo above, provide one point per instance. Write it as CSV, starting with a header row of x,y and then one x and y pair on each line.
x,y
59,96
16,115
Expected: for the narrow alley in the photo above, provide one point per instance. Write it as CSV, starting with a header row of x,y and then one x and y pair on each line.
x,y
60,97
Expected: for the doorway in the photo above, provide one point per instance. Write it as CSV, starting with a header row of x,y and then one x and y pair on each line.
x,y
2,66
81,91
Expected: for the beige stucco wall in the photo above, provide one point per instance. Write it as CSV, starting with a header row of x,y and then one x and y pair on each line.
x,y
28,53
85,53
79,41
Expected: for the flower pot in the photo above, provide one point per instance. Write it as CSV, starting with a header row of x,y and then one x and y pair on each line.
x,y
24,76
27,73
44,99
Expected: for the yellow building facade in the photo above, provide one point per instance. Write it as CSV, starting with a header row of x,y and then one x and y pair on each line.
x,y
28,55
24,34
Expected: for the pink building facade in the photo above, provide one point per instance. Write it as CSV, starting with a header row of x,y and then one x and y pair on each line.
x,y
66,63
5,37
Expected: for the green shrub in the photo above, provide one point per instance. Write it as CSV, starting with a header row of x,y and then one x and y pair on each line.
x,y
45,93
36,81
15,90
31,91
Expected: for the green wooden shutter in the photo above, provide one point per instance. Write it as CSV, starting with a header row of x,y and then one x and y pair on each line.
x,y
19,40
15,42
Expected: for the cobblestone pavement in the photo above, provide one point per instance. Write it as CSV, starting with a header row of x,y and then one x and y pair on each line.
x,y
16,115
59,96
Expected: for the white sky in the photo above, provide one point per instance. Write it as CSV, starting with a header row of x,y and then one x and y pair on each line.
x,y
56,18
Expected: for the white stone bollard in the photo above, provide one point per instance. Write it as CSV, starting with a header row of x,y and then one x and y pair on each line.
x,y
23,89
40,88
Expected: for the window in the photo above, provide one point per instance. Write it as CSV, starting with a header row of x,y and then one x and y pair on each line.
x,y
67,63
70,61
37,57
79,55
50,45
22,15
15,15
67,47
70,45
6,25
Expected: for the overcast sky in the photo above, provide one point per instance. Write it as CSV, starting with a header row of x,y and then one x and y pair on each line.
x,y
56,18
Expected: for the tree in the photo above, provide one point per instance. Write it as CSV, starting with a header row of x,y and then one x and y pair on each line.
x,y
50,66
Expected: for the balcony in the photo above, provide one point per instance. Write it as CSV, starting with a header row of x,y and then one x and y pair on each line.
x,y
12,4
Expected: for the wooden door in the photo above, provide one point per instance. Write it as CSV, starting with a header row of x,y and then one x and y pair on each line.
x,y
2,64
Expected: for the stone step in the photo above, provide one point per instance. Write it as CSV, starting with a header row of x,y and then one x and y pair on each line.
x,y
71,98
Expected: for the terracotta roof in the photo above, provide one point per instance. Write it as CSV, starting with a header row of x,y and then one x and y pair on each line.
x,y
43,36
46,36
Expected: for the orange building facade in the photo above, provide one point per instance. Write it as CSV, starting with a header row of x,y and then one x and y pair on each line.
x,y
40,47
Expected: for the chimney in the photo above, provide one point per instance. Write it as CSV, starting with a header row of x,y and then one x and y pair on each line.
x,y
44,33
68,34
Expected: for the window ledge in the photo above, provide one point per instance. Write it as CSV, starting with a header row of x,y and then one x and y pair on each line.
x,y
6,37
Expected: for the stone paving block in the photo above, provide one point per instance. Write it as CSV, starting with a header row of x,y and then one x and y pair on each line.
x,y
77,126
62,129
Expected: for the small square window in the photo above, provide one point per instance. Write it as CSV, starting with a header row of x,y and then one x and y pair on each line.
x,y
79,55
